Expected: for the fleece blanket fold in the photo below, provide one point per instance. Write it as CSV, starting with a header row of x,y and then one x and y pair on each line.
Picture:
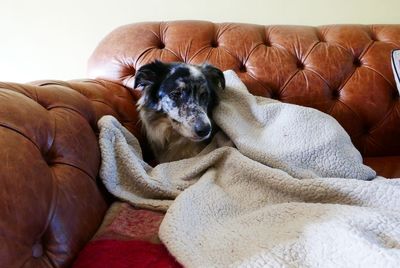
x,y
280,186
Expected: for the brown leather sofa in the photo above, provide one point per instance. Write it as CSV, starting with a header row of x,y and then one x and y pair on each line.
x,y
51,202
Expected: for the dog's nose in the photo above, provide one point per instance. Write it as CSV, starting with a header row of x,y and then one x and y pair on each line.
x,y
202,129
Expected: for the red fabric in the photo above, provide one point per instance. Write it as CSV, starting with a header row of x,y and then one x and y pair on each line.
x,y
129,223
127,238
124,254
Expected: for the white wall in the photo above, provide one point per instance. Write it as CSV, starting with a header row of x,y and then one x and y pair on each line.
x,y
52,39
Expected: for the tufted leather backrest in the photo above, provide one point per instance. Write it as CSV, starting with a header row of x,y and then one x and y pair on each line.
x,y
343,70
50,202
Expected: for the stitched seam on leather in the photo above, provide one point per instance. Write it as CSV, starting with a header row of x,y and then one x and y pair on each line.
x,y
348,107
260,83
363,149
288,81
53,136
161,31
227,51
91,116
311,50
14,90
321,77
36,94
374,32
341,86
208,54
371,140
330,87
69,109
333,43
197,53
139,58
19,132
185,56
60,162
216,37
390,42
385,117
102,83
173,53
221,28
362,54
380,74
54,83
54,202
250,52
100,101
74,166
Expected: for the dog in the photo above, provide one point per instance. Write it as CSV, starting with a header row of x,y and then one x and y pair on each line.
x,y
176,105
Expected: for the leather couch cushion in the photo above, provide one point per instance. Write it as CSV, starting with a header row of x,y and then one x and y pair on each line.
x,y
388,167
51,203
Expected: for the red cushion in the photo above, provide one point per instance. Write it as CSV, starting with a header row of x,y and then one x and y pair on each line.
x,y
128,237
124,254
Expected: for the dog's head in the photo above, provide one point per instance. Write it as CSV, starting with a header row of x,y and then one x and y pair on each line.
x,y
184,93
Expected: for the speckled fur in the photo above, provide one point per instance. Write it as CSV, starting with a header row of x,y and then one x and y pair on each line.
x,y
175,98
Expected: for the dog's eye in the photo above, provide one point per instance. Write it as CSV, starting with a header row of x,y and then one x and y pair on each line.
x,y
203,96
176,94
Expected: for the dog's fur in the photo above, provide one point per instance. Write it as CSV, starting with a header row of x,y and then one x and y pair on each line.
x,y
176,105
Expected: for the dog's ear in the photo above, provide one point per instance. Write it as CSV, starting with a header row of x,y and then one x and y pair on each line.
x,y
149,77
151,74
214,75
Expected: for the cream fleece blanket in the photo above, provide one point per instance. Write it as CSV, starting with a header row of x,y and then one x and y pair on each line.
x,y
283,187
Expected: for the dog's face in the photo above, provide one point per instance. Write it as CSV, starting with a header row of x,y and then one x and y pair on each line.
x,y
185,94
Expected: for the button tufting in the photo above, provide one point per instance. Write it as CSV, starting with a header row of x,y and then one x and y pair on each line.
x,y
300,65
357,62
214,44
267,43
320,37
396,95
161,45
274,95
242,68
373,37
335,94
37,250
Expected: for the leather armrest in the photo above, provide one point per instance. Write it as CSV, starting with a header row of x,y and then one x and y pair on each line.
x,y
50,201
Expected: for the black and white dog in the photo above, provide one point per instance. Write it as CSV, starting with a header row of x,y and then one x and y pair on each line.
x,y
176,105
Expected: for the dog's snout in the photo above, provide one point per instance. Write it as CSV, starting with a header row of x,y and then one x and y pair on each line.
x,y
202,129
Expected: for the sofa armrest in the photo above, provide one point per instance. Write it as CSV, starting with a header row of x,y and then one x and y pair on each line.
x,y
50,201
107,98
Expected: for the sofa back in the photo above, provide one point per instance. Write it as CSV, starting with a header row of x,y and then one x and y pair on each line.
x,y
342,70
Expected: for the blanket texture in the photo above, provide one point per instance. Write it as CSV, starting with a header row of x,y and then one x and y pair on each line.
x,y
280,186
